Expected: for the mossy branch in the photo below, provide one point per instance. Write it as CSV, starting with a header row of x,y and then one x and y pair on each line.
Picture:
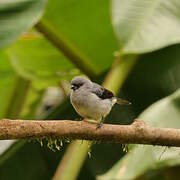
x,y
136,133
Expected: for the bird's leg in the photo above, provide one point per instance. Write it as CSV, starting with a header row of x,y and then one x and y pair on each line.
x,y
100,123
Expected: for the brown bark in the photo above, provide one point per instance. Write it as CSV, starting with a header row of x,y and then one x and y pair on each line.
x,y
136,133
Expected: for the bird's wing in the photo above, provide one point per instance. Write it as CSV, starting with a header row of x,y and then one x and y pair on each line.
x,y
101,92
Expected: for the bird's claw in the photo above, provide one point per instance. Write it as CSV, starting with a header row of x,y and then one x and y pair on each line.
x,y
99,125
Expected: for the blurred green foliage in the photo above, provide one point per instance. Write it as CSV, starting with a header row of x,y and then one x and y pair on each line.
x,y
99,29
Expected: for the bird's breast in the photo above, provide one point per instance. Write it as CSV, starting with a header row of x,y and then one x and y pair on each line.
x,y
89,105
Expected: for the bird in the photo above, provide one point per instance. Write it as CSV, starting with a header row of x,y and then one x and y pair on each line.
x,y
92,101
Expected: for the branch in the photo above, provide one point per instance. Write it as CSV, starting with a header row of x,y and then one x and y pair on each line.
x,y
136,133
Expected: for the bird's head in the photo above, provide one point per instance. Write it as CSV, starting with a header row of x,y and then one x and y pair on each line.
x,y
78,82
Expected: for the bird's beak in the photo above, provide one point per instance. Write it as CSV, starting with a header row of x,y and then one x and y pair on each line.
x,y
72,87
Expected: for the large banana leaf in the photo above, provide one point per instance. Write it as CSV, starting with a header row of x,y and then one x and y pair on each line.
x,y
142,26
17,16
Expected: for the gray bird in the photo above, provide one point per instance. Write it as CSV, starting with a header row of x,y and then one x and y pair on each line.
x,y
92,101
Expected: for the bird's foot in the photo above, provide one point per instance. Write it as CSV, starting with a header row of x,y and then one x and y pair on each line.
x,y
99,125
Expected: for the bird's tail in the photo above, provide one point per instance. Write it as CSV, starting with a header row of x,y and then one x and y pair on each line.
x,y
122,101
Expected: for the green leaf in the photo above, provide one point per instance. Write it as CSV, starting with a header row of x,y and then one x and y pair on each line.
x,y
17,165
17,16
143,26
87,25
141,158
34,58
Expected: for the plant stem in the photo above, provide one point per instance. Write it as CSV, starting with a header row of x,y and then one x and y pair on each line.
x,y
67,48
119,72
71,163
113,81
17,100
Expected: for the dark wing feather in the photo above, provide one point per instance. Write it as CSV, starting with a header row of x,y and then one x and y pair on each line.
x,y
101,92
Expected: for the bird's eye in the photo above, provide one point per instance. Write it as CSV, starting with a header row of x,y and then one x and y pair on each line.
x,y
76,86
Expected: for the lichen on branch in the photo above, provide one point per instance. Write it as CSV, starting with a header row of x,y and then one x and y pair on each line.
x,y
136,133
